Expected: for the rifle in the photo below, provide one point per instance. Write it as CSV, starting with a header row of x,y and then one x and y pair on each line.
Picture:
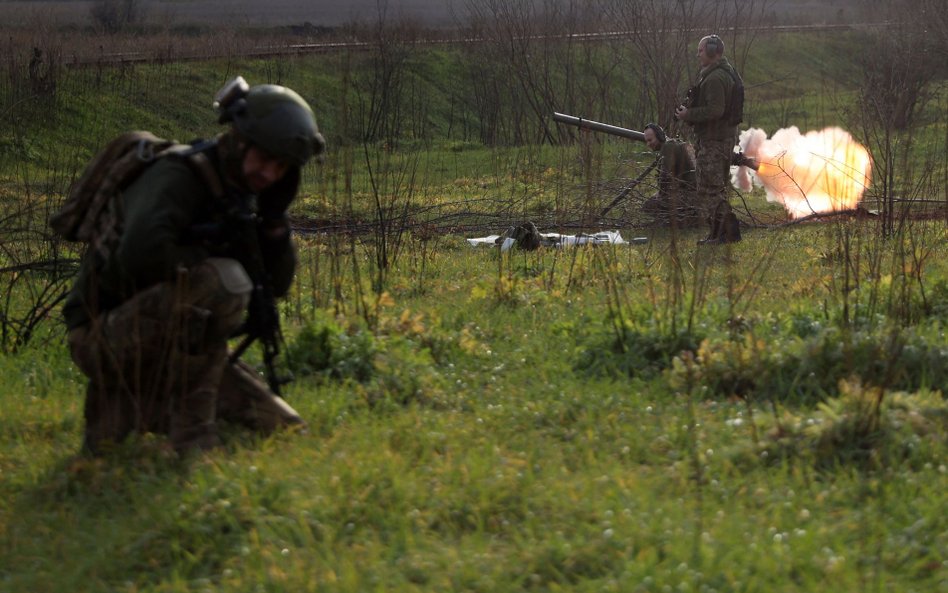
x,y
263,319
239,228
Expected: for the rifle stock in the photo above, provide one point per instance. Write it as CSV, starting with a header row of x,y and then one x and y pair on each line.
x,y
588,124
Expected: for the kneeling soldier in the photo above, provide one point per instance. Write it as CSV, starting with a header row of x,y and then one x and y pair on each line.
x,y
152,309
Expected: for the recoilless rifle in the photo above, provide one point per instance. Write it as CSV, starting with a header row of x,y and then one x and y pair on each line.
x,y
739,159
595,126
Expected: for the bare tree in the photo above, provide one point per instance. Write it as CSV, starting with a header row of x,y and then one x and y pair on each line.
x,y
531,59
115,15
898,76
661,34
665,34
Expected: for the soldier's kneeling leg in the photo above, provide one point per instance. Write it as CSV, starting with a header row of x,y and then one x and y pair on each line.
x,y
214,299
108,411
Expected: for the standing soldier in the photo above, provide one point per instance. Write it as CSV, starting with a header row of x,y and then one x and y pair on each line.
x,y
715,108
153,306
675,199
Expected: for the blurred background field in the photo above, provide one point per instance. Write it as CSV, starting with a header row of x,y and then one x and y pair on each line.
x,y
768,416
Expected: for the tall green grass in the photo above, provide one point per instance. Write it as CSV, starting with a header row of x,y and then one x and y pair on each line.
x,y
502,464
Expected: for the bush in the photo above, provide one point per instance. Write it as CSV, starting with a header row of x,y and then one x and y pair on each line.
x,y
630,351
323,348
861,426
386,367
808,369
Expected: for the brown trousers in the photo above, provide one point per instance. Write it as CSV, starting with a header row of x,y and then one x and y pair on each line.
x,y
159,363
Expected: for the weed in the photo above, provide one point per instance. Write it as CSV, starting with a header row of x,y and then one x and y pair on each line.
x,y
852,429
633,350
325,348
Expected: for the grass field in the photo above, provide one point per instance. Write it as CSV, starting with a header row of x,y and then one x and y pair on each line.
x,y
499,439
763,417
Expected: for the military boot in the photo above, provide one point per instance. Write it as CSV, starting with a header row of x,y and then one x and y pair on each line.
x,y
714,234
725,228
731,228
193,420
108,420
247,400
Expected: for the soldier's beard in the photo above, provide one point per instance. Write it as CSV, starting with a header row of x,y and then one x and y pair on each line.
x,y
232,150
256,183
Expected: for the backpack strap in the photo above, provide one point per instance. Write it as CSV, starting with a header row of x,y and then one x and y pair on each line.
x,y
196,157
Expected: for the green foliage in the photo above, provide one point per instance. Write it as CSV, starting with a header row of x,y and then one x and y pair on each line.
x,y
324,348
404,374
807,368
938,301
860,426
389,367
19,148
629,349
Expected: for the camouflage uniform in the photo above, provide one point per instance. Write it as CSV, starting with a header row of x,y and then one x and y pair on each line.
x,y
148,325
716,138
676,182
713,168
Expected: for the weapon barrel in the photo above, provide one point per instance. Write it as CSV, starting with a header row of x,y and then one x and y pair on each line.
x,y
598,127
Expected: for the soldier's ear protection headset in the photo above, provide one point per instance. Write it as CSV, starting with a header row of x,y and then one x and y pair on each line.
x,y
659,132
714,45
231,99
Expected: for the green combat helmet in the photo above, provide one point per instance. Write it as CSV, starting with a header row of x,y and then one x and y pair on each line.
x,y
273,117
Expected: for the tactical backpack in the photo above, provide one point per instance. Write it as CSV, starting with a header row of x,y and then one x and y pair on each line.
x,y
92,211
735,105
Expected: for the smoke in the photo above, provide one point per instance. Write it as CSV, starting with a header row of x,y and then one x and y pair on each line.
x,y
820,171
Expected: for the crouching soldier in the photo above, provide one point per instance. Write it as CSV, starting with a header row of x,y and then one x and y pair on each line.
x,y
192,244
675,199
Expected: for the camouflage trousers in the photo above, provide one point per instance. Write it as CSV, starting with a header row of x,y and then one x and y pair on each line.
x,y
713,170
676,207
159,363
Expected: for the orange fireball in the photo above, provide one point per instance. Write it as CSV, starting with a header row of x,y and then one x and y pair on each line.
x,y
821,171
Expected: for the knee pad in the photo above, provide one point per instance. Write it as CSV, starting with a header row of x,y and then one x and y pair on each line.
x,y
232,275
222,287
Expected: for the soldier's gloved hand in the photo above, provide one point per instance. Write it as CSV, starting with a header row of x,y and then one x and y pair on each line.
x,y
274,229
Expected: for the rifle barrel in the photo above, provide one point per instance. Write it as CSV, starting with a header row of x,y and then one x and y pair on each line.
x,y
598,126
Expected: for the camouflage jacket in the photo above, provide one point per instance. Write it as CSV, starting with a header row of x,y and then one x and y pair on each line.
x,y
677,169
161,209
709,105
